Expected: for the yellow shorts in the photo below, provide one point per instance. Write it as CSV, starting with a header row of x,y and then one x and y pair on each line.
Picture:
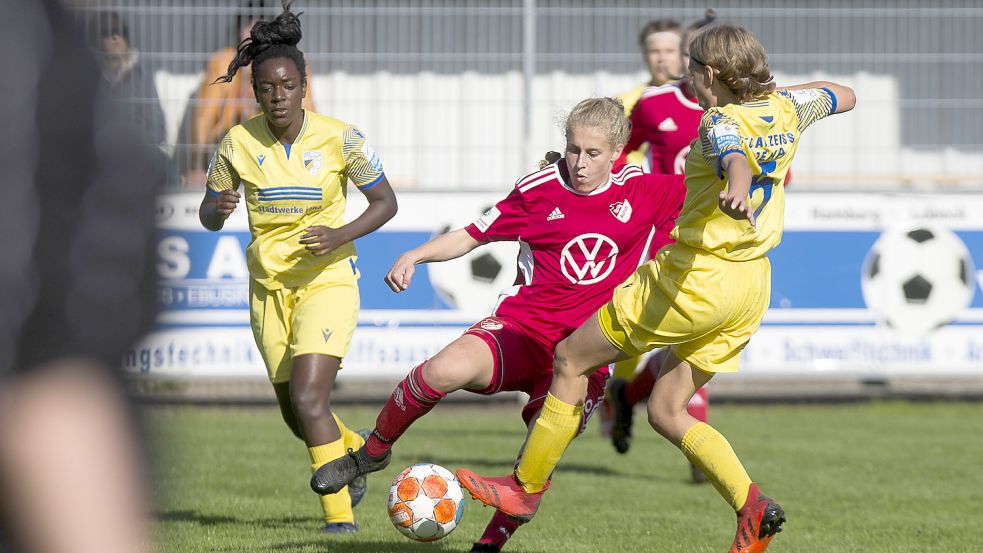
x,y
703,306
316,318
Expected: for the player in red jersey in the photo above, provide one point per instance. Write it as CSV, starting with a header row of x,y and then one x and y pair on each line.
x,y
584,227
666,119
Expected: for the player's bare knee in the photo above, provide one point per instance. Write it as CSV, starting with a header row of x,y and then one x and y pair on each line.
x,y
444,377
310,405
661,417
564,365
292,423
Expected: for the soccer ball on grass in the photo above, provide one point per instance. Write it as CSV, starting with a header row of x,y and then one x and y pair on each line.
x,y
425,502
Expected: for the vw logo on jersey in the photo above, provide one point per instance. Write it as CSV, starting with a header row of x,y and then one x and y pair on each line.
x,y
588,258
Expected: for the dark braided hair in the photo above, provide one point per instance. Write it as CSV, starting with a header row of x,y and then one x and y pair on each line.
x,y
268,40
709,17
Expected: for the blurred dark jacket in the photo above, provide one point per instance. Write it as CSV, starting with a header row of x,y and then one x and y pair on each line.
x,y
77,222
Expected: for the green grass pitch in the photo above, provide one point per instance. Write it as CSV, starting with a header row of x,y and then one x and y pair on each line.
x,y
869,477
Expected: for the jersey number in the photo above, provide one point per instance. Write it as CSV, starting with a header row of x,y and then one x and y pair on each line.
x,y
765,184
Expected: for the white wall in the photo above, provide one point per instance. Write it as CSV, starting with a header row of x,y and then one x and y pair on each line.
x,y
464,131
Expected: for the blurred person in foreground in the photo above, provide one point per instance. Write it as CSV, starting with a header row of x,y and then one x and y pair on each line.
x,y
75,290
216,109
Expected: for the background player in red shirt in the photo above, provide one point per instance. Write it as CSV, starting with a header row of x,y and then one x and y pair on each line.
x,y
667,119
659,43
583,228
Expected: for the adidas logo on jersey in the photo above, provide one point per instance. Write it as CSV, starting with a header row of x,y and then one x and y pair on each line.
x,y
668,125
555,214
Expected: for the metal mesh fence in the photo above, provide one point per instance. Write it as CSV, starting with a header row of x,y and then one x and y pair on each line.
x,y
464,94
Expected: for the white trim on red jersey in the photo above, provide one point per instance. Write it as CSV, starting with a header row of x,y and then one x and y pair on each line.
x,y
525,265
533,180
626,172
525,262
666,89
648,245
598,190
552,172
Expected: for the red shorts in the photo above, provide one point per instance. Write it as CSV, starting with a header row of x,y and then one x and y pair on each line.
x,y
524,362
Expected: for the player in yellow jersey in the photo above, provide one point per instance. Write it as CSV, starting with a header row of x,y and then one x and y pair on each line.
x,y
664,122
293,167
703,296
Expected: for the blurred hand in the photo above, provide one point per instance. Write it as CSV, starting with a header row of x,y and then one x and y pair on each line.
x,y
737,207
401,274
226,203
321,240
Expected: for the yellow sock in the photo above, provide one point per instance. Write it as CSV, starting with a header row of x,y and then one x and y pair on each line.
x,y
352,440
708,449
337,507
553,431
625,370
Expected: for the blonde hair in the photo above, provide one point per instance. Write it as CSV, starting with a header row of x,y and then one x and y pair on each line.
x,y
607,114
738,58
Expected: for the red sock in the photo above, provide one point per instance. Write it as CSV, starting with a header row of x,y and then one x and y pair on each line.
x,y
641,386
411,399
500,528
699,405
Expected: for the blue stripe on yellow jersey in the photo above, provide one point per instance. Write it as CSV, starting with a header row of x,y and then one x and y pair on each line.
x,y
765,132
288,188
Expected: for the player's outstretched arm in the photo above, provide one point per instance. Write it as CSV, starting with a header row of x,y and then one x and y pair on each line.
x,y
442,248
846,99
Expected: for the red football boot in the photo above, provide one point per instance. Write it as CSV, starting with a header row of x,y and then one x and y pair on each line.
x,y
503,492
757,522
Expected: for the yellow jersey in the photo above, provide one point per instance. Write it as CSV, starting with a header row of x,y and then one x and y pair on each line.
x,y
628,100
766,132
289,187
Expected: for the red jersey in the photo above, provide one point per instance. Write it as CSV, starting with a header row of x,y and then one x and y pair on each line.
x,y
668,119
575,248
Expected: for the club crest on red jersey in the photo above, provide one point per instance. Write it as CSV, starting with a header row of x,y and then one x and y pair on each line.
x,y
490,324
621,210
